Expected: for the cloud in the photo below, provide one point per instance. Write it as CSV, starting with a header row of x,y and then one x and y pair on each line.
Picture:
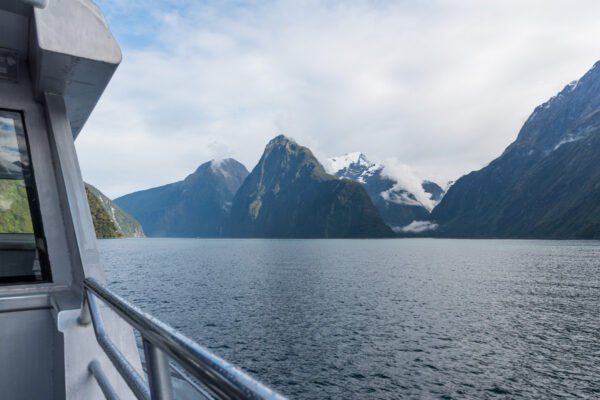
x,y
416,227
406,178
219,151
442,86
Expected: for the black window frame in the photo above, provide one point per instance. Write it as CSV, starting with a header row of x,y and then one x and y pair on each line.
x,y
34,211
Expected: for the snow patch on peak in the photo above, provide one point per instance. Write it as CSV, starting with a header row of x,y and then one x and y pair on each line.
x,y
566,140
408,185
336,164
572,85
575,136
354,166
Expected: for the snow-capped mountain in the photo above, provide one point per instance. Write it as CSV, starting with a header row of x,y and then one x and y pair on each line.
x,y
545,184
400,196
354,166
288,194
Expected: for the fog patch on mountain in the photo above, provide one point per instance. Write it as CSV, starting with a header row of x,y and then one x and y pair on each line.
x,y
416,227
406,178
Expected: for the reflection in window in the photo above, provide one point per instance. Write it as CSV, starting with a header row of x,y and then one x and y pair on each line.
x,y
22,246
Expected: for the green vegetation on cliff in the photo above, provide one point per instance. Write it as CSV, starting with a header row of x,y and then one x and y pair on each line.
x,y
109,220
103,224
126,225
14,208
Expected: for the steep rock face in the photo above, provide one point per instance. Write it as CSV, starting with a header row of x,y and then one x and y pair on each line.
x,y
397,205
289,194
124,224
545,184
198,206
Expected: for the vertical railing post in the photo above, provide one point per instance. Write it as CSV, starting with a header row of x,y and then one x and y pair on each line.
x,y
84,316
159,375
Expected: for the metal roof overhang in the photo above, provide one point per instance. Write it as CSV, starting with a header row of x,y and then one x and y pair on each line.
x,y
70,51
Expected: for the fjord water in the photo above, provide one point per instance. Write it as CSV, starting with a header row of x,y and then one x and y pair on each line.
x,y
386,319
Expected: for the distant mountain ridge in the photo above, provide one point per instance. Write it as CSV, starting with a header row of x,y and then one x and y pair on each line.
x,y
198,206
397,205
546,184
289,194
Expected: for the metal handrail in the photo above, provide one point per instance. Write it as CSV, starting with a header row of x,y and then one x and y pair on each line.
x,y
96,370
161,343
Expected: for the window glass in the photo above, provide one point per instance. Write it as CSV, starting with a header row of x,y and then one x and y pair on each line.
x,y
22,245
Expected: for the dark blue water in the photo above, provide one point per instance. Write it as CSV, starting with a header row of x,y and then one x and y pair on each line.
x,y
380,319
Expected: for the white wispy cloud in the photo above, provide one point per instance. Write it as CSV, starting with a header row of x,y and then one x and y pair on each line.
x,y
416,227
442,86
406,179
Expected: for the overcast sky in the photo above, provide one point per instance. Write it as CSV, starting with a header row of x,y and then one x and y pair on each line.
x,y
439,86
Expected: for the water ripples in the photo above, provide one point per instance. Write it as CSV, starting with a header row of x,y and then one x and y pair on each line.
x,y
380,319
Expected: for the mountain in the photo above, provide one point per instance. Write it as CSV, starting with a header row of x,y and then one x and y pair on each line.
x,y
124,224
546,184
104,226
198,206
289,194
398,206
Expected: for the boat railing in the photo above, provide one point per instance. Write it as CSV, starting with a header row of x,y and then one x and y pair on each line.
x,y
164,348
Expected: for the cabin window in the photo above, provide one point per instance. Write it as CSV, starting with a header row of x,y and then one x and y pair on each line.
x,y
22,246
